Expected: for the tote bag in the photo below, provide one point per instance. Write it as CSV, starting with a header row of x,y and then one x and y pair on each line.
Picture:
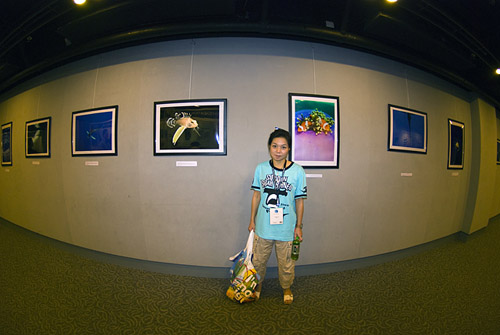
x,y
244,277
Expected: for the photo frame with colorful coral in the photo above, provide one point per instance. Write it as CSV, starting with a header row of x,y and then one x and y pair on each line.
x,y
314,127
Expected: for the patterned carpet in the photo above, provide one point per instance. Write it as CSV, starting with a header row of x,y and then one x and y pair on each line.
x,y
451,289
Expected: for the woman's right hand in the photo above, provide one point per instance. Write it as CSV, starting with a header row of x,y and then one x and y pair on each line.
x,y
251,226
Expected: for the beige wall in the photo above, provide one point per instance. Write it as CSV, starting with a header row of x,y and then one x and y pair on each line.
x,y
481,203
143,206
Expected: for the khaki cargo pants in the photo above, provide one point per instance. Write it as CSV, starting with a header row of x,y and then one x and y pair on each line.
x,y
262,249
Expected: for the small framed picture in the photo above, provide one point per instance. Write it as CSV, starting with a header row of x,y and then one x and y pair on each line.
x,y
37,143
498,152
190,127
455,144
407,130
314,127
94,132
7,144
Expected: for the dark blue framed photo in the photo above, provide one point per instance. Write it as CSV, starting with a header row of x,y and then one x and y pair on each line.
x,y
498,152
37,143
407,130
455,144
94,132
7,144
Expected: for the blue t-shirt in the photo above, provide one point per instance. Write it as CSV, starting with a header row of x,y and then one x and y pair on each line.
x,y
292,185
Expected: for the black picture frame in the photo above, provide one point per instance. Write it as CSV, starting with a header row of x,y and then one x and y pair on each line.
x,y
37,139
407,130
314,127
498,151
7,144
94,132
190,127
455,144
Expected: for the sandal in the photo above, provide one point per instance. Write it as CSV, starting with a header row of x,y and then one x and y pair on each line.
x,y
288,297
256,293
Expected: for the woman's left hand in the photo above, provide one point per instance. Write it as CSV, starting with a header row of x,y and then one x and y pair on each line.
x,y
298,232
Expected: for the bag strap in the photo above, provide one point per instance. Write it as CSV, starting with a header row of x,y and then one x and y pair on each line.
x,y
249,247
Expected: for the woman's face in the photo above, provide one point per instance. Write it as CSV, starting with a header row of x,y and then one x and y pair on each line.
x,y
279,149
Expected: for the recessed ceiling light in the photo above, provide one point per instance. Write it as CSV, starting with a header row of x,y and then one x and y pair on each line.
x,y
392,1
79,2
497,71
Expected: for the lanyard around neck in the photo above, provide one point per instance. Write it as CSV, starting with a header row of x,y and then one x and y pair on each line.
x,y
276,184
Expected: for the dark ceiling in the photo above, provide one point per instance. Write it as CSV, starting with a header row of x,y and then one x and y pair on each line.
x,y
458,40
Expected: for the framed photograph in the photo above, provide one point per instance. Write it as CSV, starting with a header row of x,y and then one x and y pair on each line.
x,y
94,132
314,127
37,142
7,144
190,127
498,152
407,130
455,144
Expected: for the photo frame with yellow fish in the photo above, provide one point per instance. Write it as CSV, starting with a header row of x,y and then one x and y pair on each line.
x,y
190,127
314,127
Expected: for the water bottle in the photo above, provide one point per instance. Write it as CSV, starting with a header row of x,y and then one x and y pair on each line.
x,y
295,248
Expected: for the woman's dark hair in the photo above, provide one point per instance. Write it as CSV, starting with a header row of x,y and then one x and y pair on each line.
x,y
280,133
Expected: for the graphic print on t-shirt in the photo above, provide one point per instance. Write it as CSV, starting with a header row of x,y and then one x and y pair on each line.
x,y
273,189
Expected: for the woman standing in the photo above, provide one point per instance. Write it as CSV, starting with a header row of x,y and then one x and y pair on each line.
x,y
280,188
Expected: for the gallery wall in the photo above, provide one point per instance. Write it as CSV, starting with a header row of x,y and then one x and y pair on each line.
x,y
139,205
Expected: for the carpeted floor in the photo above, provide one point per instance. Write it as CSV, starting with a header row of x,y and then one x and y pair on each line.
x,y
451,289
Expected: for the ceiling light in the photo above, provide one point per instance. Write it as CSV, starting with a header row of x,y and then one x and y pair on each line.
x,y
392,1
497,71
79,2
